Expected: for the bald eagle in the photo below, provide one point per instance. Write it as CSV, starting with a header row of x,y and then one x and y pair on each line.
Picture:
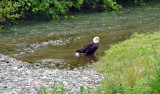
x,y
90,48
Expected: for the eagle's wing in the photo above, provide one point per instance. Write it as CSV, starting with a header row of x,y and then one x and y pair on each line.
x,y
87,48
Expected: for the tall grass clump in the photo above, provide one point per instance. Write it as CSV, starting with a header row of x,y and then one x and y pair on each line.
x,y
155,80
62,90
55,89
132,66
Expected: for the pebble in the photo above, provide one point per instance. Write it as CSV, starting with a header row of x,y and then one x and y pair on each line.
x,y
18,77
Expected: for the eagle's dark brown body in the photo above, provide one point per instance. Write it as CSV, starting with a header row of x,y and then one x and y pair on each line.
x,y
89,49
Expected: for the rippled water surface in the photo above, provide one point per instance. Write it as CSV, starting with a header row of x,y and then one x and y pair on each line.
x,y
53,43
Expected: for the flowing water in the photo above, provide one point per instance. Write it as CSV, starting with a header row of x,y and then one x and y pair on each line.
x,y
53,43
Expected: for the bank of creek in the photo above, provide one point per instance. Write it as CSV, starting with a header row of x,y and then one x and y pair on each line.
x,y
49,46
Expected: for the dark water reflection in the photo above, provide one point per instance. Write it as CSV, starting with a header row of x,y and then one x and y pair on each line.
x,y
88,58
53,43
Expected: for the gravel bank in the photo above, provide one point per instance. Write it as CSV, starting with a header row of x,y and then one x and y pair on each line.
x,y
22,78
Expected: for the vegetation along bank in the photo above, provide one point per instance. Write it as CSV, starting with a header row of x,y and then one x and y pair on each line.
x,y
11,10
132,66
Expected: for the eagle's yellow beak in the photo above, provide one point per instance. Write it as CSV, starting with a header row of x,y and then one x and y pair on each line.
x,y
98,38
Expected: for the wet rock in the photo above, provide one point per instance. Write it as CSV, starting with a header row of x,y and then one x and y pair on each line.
x,y
36,66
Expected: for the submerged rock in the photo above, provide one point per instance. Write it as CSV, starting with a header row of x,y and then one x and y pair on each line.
x,y
50,60
52,63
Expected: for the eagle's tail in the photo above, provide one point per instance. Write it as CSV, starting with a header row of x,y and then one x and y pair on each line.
x,y
78,50
77,54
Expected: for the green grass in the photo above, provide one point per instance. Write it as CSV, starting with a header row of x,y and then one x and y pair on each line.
x,y
132,66
61,90
55,90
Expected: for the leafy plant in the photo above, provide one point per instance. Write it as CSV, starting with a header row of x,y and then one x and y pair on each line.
x,y
139,2
10,10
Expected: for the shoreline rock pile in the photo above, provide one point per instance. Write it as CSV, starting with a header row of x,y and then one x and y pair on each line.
x,y
21,77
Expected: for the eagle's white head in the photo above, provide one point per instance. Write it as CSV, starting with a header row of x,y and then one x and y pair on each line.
x,y
96,40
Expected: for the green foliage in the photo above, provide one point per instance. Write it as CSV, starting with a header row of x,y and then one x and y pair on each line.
x,y
139,2
8,10
103,4
61,90
16,9
11,10
154,81
55,90
1,27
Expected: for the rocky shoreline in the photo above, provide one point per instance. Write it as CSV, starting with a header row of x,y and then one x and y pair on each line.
x,y
23,78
